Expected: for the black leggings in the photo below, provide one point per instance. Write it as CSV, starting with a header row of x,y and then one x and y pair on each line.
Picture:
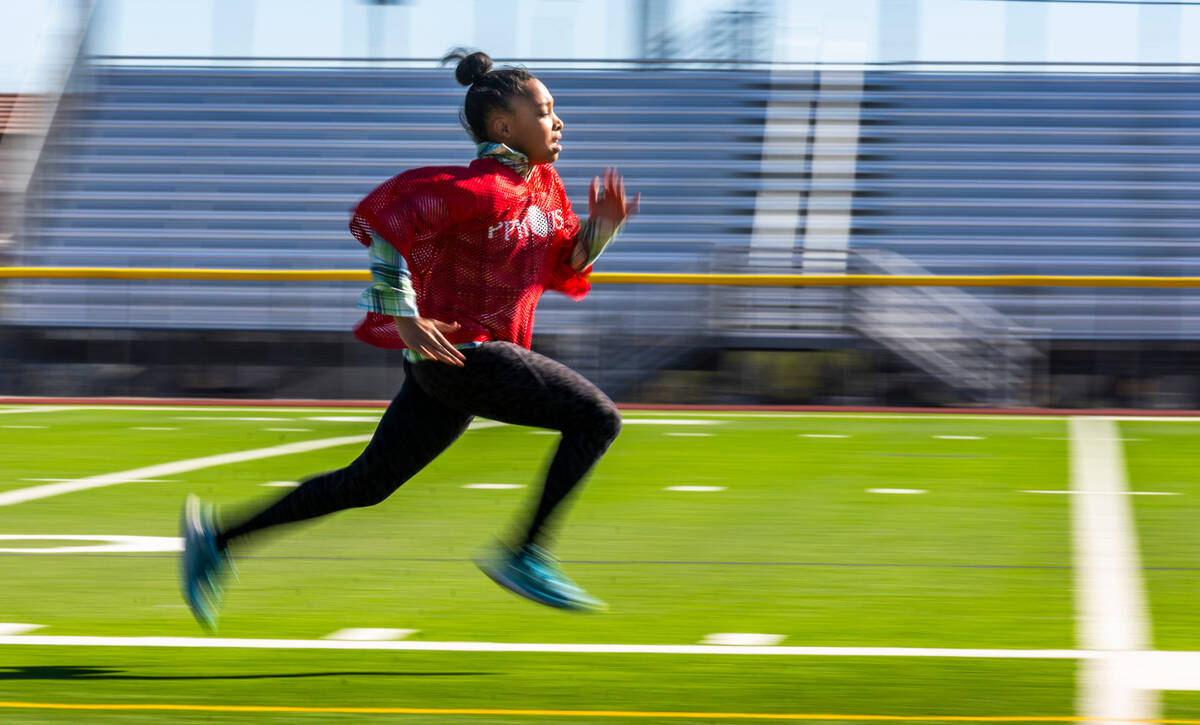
x,y
499,380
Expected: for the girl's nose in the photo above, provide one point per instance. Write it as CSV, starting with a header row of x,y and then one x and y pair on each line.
x,y
558,123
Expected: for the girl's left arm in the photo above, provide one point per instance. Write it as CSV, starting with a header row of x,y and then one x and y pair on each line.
x,y
608,210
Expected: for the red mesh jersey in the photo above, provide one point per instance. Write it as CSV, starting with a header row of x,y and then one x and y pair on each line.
x,y
481,243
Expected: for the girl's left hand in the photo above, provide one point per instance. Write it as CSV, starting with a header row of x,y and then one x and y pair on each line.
x,y
606,198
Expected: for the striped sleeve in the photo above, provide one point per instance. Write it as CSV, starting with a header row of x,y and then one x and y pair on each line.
x,y
595,235
391,291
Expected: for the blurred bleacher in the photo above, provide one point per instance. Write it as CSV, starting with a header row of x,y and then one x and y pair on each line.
x,y
945,172
258,168
1074,174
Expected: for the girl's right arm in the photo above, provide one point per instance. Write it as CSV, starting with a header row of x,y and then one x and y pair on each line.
x,y
391,293
409,210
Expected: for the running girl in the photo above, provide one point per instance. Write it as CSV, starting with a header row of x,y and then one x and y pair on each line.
x,y
459,258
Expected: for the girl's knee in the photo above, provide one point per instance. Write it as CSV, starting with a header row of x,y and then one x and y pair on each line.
x,y
608,422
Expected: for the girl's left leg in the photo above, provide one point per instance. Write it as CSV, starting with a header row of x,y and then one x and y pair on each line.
x,y
414,429
412,432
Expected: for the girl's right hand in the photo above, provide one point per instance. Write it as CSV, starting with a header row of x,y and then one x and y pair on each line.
x,y
425,336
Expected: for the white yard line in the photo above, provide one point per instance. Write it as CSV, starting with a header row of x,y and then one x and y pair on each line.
x,y
369,634
417,646
860,416
743,639
1152,418
1109,493
1109,597
22,495
1162,670
39,409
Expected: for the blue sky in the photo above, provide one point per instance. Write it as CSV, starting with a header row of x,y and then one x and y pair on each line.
x,y
32,31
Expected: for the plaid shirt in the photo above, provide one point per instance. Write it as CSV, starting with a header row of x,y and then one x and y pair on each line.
x,y
391,291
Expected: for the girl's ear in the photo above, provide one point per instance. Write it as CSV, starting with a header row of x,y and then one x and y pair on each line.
x,y
500,127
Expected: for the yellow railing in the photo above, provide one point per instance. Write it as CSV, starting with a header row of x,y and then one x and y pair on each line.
x,y
750,280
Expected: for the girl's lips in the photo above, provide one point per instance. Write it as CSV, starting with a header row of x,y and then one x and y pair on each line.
x,y
556,147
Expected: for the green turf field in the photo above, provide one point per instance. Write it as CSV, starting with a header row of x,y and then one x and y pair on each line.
x,y
801,539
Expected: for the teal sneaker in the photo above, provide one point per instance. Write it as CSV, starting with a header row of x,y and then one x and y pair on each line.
x,y
204,564
534,573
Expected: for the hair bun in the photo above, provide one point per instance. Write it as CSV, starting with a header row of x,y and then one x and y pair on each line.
x,y
471,66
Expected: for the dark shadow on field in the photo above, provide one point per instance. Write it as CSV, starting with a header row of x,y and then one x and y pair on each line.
x,y
68,672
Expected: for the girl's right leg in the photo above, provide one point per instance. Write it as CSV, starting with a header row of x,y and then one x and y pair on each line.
x,y
412,432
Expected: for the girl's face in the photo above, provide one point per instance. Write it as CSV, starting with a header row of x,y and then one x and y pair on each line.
x,y
531,126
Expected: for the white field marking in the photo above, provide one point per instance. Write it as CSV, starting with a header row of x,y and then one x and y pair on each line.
x,y
475,424
115,545
369,634
1154,418
695,489
1109,597
960,438
743,639
670,421
496,486
869,416
21,495
1161,670
691,435
10,628
1114,440
289,430
140,480
896,490
153,427
39,409
25,427
252,419
418,646
281,484
822,435
1110,493
344,418
917,416
543,433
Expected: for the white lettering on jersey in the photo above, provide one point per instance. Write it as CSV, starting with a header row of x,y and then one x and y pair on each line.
x,y
536,222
